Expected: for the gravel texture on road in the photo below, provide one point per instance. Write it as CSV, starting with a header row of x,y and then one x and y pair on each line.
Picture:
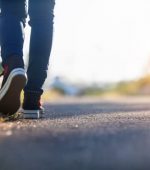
x,y
80,134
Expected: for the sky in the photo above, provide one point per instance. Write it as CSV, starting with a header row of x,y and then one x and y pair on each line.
x,y
100,40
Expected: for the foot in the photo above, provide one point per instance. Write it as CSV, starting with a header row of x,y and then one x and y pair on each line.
x,y
14,80
32,108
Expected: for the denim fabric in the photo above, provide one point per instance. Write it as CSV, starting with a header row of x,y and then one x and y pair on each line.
x,y
13,20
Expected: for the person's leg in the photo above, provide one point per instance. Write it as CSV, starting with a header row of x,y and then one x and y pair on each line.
x,y
13,16
41,22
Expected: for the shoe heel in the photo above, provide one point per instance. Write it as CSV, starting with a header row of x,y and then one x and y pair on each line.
x,y
10,102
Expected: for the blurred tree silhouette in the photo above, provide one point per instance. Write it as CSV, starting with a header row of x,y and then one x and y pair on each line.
x,y
135,87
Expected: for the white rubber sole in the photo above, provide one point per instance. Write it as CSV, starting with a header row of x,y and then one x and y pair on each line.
x,y
32,114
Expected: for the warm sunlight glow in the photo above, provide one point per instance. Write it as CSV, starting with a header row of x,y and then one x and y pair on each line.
x,y
100,40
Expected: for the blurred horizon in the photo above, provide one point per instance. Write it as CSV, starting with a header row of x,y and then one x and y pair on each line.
x,y
100,41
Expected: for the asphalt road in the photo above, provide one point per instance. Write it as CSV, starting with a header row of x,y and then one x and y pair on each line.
x,y
80,134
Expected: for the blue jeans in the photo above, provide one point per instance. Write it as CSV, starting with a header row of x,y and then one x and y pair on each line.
x,y
13,20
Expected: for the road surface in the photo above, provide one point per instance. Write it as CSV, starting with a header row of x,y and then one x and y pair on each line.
x,y
80,134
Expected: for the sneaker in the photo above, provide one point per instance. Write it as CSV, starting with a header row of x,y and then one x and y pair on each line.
x,y
14,80
32,108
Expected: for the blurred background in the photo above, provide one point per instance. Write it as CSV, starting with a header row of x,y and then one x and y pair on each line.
x,y
100,47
